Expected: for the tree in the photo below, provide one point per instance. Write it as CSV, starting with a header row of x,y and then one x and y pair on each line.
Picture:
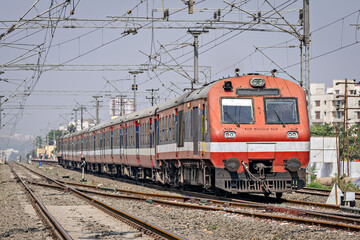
x,y
322,130
38,142
71,128
56,134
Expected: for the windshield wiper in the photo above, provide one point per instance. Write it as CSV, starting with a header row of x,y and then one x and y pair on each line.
x,y
279,118
232,119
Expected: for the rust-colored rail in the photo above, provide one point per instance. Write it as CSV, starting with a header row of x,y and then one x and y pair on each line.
x,y
58,230
142,225
226,204
321,192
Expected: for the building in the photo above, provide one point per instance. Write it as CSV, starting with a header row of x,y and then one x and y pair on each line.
x,y
121,106
7,153
89,122
325,103
46,152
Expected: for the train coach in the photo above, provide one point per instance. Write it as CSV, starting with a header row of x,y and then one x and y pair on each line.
x,y
244,134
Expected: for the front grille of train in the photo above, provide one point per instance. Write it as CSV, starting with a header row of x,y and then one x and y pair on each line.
x,y
255,186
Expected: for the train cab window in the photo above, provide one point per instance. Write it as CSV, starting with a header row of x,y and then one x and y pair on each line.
x,y
237,110
281,111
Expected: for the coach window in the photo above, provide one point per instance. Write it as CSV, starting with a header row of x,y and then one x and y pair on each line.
x,y
237,110
281,111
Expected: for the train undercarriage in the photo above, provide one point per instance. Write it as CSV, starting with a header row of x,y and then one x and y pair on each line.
x,y
201,175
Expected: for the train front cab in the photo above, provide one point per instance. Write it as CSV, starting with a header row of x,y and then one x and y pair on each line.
x,y
259,135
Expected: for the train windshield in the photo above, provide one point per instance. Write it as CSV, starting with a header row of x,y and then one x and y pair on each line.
x,y
281,111
237,111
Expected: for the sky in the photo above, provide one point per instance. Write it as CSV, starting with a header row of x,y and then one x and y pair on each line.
x,y
39,101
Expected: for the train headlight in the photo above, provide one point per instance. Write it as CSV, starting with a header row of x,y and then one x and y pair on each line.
x,y
257,82
229,134
292,135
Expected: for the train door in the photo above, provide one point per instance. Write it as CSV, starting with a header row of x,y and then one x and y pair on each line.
x,y
121,143
157,136
112,141
125,132
94,145
180,129
195,128
103,146
137,138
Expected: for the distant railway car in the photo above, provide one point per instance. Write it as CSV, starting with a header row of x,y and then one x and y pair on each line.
x,y
241,134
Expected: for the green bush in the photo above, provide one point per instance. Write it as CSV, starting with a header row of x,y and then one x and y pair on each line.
x,y
317,184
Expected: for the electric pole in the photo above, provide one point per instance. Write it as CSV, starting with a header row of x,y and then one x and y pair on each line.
x,y
97,108
196,34
152,95
134,86
81,117
76,120
121,104
346,124
1,112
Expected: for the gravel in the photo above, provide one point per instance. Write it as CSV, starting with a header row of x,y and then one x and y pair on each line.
x,y
18,219
198,224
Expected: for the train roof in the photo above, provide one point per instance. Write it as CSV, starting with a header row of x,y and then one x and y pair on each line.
x,y
150,111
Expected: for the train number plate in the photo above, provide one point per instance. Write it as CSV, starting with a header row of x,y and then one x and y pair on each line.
x,y
230,134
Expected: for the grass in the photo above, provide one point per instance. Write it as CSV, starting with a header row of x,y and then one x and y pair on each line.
x,y
317,184
212,227
345,185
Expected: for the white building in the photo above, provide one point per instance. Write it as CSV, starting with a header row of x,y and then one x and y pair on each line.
x,y
86,124
324,102
121,106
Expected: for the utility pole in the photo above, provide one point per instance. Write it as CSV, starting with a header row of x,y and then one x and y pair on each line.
x,y
345,124
76,109
81,117
1,112
121,103
152,95
191,6
196,34
346,115
97,108
134,86
54,142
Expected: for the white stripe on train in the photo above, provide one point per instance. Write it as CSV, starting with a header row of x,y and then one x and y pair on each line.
x,y
214,147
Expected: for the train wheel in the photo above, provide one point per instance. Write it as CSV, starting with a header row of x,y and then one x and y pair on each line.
x,y
279,195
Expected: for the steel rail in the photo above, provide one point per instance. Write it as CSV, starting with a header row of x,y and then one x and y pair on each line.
x,y
59,231
203,196
357,194
137,222
226,204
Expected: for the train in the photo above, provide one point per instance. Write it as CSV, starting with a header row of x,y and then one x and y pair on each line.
x,y
241,134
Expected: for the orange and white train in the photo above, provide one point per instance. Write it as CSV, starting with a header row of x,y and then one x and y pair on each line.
x,y
241,134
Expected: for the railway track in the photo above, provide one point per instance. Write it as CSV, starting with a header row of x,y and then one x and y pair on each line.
x,y
150,229
57,230
321,192
326,219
